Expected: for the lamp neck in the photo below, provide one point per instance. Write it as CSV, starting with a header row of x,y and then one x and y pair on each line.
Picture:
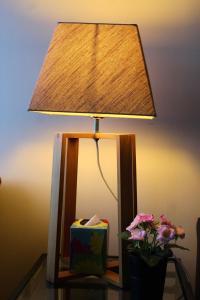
x,y
96,124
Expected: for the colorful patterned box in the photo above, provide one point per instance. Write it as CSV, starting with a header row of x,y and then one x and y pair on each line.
x,y
88,248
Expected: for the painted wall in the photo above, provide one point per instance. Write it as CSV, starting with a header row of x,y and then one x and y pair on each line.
x,y
168,148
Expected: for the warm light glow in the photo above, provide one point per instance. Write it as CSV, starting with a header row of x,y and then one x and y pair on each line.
x,y
94,115
146,12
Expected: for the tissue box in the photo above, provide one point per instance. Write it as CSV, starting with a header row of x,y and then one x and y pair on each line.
x,y
88,248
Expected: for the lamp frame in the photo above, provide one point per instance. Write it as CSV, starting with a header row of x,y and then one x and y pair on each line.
x,y
63,201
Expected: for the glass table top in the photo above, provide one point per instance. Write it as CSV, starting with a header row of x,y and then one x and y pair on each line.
x,y
37,288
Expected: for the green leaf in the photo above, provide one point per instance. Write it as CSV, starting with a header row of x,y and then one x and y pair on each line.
x,y
177,246
125,235
151,260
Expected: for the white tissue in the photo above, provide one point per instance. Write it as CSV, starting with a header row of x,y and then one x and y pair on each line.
x,y
93,221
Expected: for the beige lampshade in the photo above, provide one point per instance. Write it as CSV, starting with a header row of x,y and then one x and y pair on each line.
x,y
94,70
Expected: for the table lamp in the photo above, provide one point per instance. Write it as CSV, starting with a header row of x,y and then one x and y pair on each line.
x,y
95,70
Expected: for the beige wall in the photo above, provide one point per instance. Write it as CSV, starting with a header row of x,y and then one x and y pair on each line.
x,y
168,149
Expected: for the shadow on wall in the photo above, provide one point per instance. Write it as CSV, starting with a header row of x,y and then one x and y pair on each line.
x,y
19,248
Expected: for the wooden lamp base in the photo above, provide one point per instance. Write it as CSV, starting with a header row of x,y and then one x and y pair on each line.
x,y
63,201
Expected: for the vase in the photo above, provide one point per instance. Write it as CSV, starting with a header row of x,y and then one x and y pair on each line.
x,y
146,282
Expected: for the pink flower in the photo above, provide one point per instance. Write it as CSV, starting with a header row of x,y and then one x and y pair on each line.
x,y
165,221
140,218
165,233
180,232
137,235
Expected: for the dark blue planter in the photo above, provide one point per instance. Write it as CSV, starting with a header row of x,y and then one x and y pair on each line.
x,y
146,282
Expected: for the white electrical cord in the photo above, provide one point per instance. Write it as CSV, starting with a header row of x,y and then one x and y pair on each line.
x,y
101,172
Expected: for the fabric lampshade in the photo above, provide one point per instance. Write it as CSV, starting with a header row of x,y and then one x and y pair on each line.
x,y
94,70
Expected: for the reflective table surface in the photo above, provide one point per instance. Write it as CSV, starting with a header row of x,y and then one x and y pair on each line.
x,y
35,287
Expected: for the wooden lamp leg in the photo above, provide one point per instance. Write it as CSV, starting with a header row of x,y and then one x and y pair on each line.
x,y
70,188
127,191
56,206
62,213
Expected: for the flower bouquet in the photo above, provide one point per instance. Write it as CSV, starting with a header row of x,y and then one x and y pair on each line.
x,y
149,245
151,239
